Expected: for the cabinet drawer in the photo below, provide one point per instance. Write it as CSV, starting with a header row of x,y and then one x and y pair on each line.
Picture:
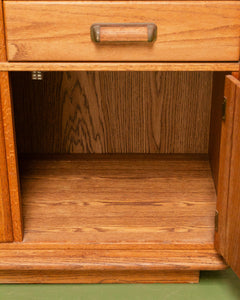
x,y
60,31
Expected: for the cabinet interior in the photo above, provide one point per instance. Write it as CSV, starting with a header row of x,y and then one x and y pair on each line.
x,y
118,158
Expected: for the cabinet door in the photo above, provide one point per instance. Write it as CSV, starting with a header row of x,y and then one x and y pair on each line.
x,y
10,204
6,232
227,239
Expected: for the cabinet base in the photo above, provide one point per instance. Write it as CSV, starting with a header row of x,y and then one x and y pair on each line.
x,y
36,263
99,276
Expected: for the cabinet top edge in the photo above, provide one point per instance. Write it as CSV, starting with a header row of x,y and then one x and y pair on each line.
x,y
118,66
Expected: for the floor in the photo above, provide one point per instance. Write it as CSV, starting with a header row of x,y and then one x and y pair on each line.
x,y
220,285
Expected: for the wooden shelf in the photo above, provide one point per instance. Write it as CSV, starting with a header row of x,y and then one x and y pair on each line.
x,y
118,201
114,218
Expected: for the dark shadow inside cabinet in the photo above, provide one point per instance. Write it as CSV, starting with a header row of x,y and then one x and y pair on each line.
x,y
119,158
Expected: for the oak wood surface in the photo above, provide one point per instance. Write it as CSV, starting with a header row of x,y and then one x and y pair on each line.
x,y
233,208
99,276
119,66
113,112
3,56
96,231
106,260
6,234
60,31
11,156
118,200
115,33
225,165
216,123
86,266
123,34
35,245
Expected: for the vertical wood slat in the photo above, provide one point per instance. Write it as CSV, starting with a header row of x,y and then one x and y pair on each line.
x,y
3,55
216,123
6,231
11,156
233,211
10,207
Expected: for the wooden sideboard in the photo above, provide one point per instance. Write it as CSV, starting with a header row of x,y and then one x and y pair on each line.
x,y
119,140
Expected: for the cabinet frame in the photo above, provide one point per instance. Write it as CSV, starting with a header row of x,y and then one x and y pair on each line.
x,y
30,263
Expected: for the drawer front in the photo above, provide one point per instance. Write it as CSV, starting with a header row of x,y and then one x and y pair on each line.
x,y
61,31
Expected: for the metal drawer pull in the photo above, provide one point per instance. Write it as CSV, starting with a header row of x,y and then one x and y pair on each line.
x,y
124,33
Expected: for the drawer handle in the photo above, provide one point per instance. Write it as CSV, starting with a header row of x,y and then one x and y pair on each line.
x,y
124,33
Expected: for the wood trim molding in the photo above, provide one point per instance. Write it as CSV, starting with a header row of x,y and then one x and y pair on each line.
x,y
3,55
99,276
117,66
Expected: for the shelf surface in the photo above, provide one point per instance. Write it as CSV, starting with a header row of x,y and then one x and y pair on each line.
x,y
118,200
114,218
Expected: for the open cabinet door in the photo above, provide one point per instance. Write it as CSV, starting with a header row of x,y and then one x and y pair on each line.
x,y
6,232
11,228
227,238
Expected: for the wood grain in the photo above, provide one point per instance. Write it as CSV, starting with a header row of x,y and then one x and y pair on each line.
x,y
11,156
118,200
109,260
34,245
233,209
113,112
104,266
99,277
225,165
124,34
216,123
3,56
6,234
119,66
60,31
116,33
6,231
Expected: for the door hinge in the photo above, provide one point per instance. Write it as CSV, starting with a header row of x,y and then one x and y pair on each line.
x,y
216,221
224,106
37,75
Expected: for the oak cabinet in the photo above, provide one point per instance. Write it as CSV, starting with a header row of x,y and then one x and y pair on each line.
x,y
60,31
119,156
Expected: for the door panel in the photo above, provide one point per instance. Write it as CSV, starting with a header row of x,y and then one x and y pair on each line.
x,y
228,236
233,212
6,233
9,159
